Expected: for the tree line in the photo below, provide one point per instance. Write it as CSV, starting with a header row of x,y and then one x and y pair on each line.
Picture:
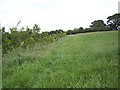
x,y
27,37
113,23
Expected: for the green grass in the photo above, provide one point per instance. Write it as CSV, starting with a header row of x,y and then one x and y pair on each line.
x,y
0,67
76,61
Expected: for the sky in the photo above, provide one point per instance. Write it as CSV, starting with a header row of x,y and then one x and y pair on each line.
x,y
55,14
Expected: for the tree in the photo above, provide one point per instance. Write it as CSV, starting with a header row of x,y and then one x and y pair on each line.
x,y
98,23
81,30
75,31
114,21
36,28
59,31
69,32
3,29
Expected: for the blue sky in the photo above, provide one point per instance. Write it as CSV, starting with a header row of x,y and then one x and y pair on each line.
x,y
55,14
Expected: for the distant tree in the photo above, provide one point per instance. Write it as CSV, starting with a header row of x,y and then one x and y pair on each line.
x,y
98,23
29,30
75,31
114,21
69,32
36,29
3,30
87,30
59,31
53,32
81,30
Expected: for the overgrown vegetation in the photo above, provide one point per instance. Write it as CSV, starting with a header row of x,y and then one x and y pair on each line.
x,y
77,61
26,37
34,59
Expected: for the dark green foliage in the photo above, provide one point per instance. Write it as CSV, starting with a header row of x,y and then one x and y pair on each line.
x,y
75,31
3,29
27,37
114,21
91,29
69,32
81,30
36,29
95,29
98,23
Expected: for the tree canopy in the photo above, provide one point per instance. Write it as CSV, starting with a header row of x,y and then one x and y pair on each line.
x,y
114,21
98,23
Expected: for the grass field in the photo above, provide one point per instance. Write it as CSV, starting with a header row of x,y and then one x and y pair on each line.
x,y
76,61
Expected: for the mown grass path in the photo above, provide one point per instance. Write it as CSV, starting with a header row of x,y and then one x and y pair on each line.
x,y
76,61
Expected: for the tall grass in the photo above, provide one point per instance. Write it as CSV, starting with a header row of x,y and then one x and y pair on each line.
x,y
0,66
76,61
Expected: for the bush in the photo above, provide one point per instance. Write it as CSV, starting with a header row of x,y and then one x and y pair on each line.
x,y
28,37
